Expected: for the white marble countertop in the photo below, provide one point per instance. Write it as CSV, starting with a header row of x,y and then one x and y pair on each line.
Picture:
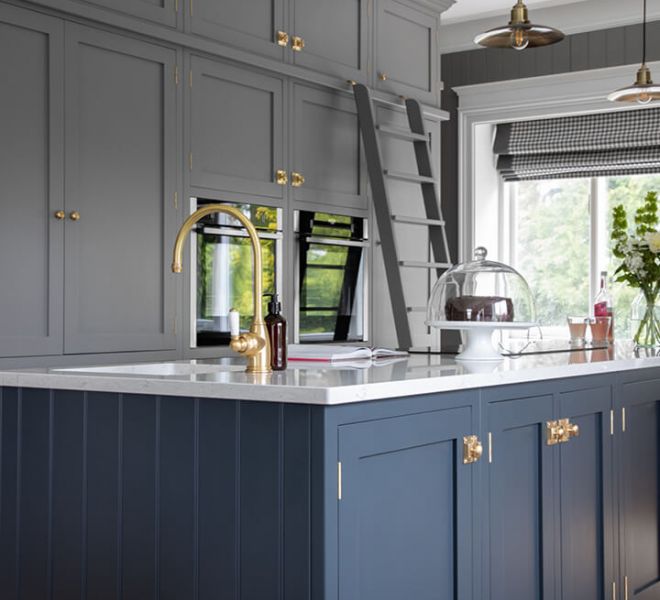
x,y
323,384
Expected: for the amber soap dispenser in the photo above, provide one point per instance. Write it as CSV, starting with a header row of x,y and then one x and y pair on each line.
x,y
276,325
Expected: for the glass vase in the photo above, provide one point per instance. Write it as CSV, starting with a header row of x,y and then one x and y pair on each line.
x,y
646,320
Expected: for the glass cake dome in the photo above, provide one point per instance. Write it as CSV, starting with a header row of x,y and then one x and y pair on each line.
x,y
479,297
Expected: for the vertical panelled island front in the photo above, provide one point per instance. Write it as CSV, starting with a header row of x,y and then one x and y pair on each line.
x,y
416,479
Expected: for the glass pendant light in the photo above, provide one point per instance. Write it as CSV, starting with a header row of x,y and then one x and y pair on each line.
x,y
519,33
643,90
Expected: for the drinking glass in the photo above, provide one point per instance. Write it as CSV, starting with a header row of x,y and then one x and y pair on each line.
x,y
577,326
600,329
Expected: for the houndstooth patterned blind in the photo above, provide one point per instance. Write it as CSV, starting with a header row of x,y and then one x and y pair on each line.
x,y
615,143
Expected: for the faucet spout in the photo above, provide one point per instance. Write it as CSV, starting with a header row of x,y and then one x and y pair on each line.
x,y
255,344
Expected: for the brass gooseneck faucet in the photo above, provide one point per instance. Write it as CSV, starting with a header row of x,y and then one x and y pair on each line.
x,y
255,344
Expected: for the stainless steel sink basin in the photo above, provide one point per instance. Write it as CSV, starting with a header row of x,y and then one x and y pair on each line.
x,y
162,369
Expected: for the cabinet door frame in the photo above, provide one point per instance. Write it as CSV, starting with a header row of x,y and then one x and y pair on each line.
x,y
316,62
392,86
307,194
238,39
52,342
76,342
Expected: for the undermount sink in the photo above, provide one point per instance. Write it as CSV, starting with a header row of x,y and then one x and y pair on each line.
x,y
163,369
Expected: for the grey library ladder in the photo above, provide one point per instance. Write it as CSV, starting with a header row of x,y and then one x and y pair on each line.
x,y
385,219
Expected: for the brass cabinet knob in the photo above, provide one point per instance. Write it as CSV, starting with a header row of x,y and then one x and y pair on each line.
x,y
572,430
75,216
297,43
473,449
297,180
351,82
281,177
383,76
282,39
60,215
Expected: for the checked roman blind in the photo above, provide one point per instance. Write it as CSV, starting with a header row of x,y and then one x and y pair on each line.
x,y
595,145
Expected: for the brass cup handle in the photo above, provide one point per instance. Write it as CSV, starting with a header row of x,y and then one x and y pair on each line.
x,y
297,180
75,216
297,43
60,215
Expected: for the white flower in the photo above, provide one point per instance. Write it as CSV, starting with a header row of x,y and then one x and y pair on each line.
x,y
653,240
635,263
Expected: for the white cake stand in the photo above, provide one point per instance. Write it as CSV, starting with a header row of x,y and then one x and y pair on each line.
x,y
478,337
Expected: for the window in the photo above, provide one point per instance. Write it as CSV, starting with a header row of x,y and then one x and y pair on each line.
x,y
560,241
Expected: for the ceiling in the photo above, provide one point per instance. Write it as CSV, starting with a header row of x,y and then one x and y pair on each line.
x,y
468,10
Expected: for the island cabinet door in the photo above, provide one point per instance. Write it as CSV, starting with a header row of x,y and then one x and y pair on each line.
x,y
518,500
120,125
334,36
31,185
404,513
638,420
586,495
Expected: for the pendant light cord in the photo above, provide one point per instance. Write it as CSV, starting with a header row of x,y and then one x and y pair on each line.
x,y
644,37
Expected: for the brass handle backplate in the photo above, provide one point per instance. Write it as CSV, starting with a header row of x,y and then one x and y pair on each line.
x,y
282,39
472,449
281,178
297,43
60,215
75,216
297,180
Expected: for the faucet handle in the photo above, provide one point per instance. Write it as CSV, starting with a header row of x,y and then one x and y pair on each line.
x,y
234,323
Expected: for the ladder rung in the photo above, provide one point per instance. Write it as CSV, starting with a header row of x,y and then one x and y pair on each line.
x,y
418,221
416,309
408,177
402,134
418,264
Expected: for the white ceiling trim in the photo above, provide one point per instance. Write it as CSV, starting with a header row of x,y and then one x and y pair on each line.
x,y
589,15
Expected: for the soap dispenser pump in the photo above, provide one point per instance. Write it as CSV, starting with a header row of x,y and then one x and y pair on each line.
x,y
276,325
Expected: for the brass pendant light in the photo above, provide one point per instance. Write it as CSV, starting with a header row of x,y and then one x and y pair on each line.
x,y
643,90
519,33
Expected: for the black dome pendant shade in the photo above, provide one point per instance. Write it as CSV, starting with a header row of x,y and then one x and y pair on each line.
x,y
519,33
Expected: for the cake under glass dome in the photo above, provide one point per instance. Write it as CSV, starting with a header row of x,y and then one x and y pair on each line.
x,y
479,297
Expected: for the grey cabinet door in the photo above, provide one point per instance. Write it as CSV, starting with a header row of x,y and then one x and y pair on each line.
x,y
120,177
236,129
325,149
639,481
31,183
250,25
406,51
586,499
164,12
405,508
335,34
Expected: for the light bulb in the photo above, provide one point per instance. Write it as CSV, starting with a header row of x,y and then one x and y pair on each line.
x,y
644,98
519,39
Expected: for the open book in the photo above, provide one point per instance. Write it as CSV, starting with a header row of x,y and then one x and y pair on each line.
x,y
323,353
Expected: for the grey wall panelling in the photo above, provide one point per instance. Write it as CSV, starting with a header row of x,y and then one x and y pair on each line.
x,y
120,176
582,51
325,148
31,186
251,26
406,51
236,129
336,36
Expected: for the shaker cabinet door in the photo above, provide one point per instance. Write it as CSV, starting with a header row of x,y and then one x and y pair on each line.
x,y
405,508
250,25
335,36
31,185
236,130
586,496
519,534
120,184
326,149
159,11
639,410
406,51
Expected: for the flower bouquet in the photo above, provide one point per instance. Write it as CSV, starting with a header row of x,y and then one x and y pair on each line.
x,y
640,266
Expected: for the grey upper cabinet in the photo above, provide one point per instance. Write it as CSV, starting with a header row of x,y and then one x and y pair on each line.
x,y
325,149
121,165
236,129
31,192
251,26
335,36
406,49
